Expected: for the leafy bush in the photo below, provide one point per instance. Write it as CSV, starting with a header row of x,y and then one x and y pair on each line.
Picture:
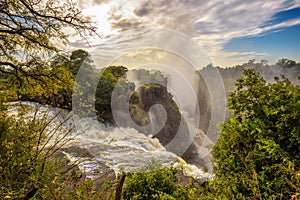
x,y
29,157
257,154
156,182
19,166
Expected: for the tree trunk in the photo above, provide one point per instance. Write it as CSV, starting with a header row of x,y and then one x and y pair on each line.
x,y
31,192
119,187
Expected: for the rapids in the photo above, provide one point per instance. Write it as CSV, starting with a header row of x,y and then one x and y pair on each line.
x,y
122,149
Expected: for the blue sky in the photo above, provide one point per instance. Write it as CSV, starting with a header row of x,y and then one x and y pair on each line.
x,y
277,43
230,32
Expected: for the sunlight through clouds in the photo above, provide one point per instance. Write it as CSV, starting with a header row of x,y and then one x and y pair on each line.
x,y
212,24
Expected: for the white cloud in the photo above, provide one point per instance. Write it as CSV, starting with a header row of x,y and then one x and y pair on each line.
x,y
211,23
235,19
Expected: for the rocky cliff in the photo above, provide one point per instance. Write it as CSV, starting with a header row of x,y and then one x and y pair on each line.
x,y
157,94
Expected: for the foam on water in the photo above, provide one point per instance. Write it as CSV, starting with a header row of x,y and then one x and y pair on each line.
x,y
120,148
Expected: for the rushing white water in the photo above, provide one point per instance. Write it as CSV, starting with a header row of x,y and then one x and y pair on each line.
x,y
119,148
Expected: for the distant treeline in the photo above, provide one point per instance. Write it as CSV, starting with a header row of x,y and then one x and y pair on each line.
x,y
284,67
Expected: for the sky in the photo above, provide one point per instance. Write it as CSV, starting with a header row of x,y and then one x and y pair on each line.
x,y
225,33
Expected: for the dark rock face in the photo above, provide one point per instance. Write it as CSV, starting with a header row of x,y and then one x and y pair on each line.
x,y
153,94
204,102
59,100
204,105
157,94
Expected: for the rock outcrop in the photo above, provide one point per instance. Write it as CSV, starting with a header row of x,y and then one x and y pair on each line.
x,y
157,94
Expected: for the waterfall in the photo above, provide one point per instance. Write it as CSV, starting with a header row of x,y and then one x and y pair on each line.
x,y
119,148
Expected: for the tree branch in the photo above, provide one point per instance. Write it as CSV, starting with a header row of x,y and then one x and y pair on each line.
x,y
67,19
31,192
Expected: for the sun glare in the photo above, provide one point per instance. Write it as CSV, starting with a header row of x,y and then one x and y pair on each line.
x,y
100,15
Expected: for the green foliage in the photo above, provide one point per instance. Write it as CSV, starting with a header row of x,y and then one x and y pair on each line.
x,y
65,181
28,156
29,32
82,93
287,63
150,184
149,76
79,58
54,80
26,143
289,68
153,181
113,79
257,154
19,161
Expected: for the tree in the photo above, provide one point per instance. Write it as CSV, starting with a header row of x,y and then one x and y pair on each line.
x,y
79,58
27,143
257,154
83,93
30,31
284,62
112,79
